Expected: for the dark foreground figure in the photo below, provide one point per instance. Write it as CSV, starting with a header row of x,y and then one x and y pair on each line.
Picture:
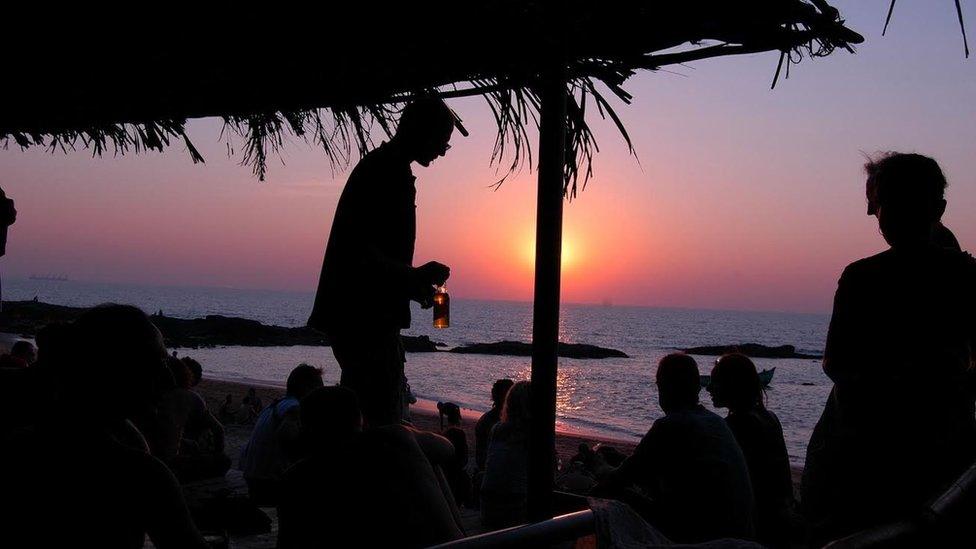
x,y
688,465
899,424
375,488
735,385
368,278
80,474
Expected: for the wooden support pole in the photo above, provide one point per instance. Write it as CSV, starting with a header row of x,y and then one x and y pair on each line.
x,y
545,313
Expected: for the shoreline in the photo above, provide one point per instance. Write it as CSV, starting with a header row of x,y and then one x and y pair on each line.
x,y
423,415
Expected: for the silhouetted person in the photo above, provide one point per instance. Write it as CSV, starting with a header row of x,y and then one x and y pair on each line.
x,y
504,487
227,411
899,424
194,447
689,464
368,278
456,468
8,215
85,478
251,406
735,385
379,488
488,420
22,354
275,444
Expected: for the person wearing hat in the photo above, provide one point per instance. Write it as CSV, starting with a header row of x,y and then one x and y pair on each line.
x,y
368,278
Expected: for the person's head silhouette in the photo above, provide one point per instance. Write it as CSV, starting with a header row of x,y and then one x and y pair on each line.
x,y
678,382
126,382
906,192
425,130
301,381
735,383
498,391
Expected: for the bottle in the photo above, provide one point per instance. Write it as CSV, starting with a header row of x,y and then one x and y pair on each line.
x,y
442,308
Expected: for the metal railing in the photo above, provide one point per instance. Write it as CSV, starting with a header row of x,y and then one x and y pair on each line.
x,y
566,527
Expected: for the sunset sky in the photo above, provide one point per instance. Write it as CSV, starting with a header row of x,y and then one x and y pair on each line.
x,y
742,198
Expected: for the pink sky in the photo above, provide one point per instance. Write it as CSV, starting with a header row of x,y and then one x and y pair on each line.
x,y
744,198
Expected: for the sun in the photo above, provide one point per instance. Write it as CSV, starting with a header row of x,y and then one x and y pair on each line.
x,y
570,251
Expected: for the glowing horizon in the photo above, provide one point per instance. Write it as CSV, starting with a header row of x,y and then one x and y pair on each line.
x,y
743,198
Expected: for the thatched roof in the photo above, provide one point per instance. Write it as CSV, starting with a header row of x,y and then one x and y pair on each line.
x,y
109,80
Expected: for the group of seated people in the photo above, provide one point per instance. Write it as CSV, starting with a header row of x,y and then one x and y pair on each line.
x,y
99,428
99,432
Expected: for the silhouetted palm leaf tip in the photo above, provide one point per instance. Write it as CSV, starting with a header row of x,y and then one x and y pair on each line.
x,y
337,76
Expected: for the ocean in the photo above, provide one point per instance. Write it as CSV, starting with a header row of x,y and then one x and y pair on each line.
x,y
609,397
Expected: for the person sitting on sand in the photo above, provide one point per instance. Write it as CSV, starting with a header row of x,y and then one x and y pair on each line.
x,y
227,413
375,488
504,487
84,478
274,444
898,426
251,407
194,445
689,465
455,469
735,385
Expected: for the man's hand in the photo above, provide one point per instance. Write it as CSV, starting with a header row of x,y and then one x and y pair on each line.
x,y
436,274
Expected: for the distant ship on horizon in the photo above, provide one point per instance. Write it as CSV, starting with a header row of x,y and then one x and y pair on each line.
x,y
55,278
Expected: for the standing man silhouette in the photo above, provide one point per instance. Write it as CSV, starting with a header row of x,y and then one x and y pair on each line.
x,y
368,278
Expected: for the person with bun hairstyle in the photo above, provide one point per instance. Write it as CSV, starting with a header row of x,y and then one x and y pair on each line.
x,y
735,385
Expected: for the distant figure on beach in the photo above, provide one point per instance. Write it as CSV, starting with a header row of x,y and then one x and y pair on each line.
x,y
194,446
22,354
899,425
504,487
107,491
375,488
368,278
228,412
688,464
456,469
275,442
735,385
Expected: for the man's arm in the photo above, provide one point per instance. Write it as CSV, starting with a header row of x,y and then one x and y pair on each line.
x,y
642,460
837,362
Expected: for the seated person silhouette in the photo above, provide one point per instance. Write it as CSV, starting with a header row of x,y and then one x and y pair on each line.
x,y
899,424
368,278
194,439
488,420
688,464
377,488
275,441
85,478
735,385
22,354
504,487
455,470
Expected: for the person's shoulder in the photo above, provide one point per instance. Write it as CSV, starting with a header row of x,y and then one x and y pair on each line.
x,y
868,265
